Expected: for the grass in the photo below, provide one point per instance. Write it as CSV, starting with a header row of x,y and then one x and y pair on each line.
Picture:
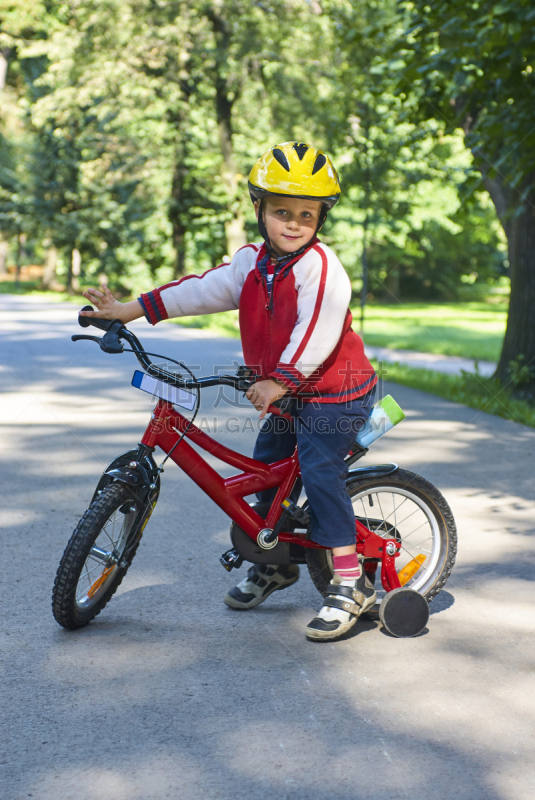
x,y
474,330
471,330
223,324
470,389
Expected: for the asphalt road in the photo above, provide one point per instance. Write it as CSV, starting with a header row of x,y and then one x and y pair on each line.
x,y
169,694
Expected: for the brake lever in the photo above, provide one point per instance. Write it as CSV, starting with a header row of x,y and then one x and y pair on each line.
x,y
109,342
78,336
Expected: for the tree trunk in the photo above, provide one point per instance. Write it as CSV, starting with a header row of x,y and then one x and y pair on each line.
x,y
392,285
224,101
366,223
4,248
176,218
5,52
364,259
73,273
49,272
234,227
519,342
21,255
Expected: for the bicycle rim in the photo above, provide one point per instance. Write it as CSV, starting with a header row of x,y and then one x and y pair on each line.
x,y
104,559
396,512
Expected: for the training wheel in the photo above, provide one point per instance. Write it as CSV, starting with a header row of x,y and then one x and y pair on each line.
x,y
404,612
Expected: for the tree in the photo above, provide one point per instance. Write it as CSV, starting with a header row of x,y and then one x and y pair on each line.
x,y
388,162
470,66
19,23
174,79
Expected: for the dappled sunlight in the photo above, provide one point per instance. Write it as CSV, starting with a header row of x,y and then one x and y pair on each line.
x,y
139,580
189,695
166,774
130,661
112,784
14,519
459,693
43,406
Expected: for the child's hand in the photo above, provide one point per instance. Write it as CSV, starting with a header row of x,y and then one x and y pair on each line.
x,y
263,393
108,307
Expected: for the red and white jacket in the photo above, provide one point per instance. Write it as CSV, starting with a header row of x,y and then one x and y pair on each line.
x,y
300,334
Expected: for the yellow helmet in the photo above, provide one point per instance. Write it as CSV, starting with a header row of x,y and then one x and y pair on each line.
x,y
295,169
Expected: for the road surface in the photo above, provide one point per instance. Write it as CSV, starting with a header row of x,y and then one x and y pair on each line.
x,y
170,694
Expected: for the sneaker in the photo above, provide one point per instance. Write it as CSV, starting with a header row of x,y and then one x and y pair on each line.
x,y
343,605
261,581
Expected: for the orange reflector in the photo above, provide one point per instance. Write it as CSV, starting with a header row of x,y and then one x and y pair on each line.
x,y
410,569
93,589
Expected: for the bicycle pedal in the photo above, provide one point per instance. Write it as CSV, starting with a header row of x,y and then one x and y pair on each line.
x,y
231,560
296,512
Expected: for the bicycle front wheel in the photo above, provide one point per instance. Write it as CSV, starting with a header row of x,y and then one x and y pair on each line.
x,y
98,555
408,508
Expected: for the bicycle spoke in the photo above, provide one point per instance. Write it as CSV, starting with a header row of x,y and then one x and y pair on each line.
x,y
88,573
380,507
365,512
420,546
408,515
393,512
111,537
410,552
407,535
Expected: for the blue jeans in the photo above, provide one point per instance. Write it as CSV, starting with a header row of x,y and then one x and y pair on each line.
x,y
324,434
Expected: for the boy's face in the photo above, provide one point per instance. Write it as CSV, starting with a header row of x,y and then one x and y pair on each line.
x,y
290,222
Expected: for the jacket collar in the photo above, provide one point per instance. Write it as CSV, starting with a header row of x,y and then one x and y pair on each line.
x,y
283,266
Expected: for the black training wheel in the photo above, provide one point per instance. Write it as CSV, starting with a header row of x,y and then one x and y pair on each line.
x,y
404,612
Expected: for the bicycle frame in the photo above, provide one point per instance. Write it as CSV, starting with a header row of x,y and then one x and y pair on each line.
x,y
163,431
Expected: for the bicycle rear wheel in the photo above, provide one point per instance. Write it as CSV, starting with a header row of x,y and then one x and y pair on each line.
x,y
98,555
404,506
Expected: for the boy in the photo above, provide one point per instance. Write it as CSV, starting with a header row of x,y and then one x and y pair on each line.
x,y
293,296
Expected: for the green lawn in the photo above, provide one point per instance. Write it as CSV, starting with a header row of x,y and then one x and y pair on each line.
x,y
472,330
469,389
223,324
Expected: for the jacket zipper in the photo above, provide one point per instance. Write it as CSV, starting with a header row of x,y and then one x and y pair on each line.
x,y
269,307
270,291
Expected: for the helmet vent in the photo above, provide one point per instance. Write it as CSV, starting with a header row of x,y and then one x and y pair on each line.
x,y
319,163
281,158
300,149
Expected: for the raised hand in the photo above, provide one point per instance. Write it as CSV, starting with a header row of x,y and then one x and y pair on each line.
x,y
110,308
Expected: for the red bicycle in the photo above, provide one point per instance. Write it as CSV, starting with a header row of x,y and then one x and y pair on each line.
x,y
402,522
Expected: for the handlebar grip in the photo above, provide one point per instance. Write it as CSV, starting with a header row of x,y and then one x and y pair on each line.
x,y
85,322
283,405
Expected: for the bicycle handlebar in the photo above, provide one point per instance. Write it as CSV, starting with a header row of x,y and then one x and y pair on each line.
x,y
102,324
116,330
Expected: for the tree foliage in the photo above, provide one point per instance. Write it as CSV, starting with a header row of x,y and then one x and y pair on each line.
x,y
471,67
129,127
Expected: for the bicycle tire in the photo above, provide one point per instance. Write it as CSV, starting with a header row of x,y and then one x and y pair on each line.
x,y
433,505
68,611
